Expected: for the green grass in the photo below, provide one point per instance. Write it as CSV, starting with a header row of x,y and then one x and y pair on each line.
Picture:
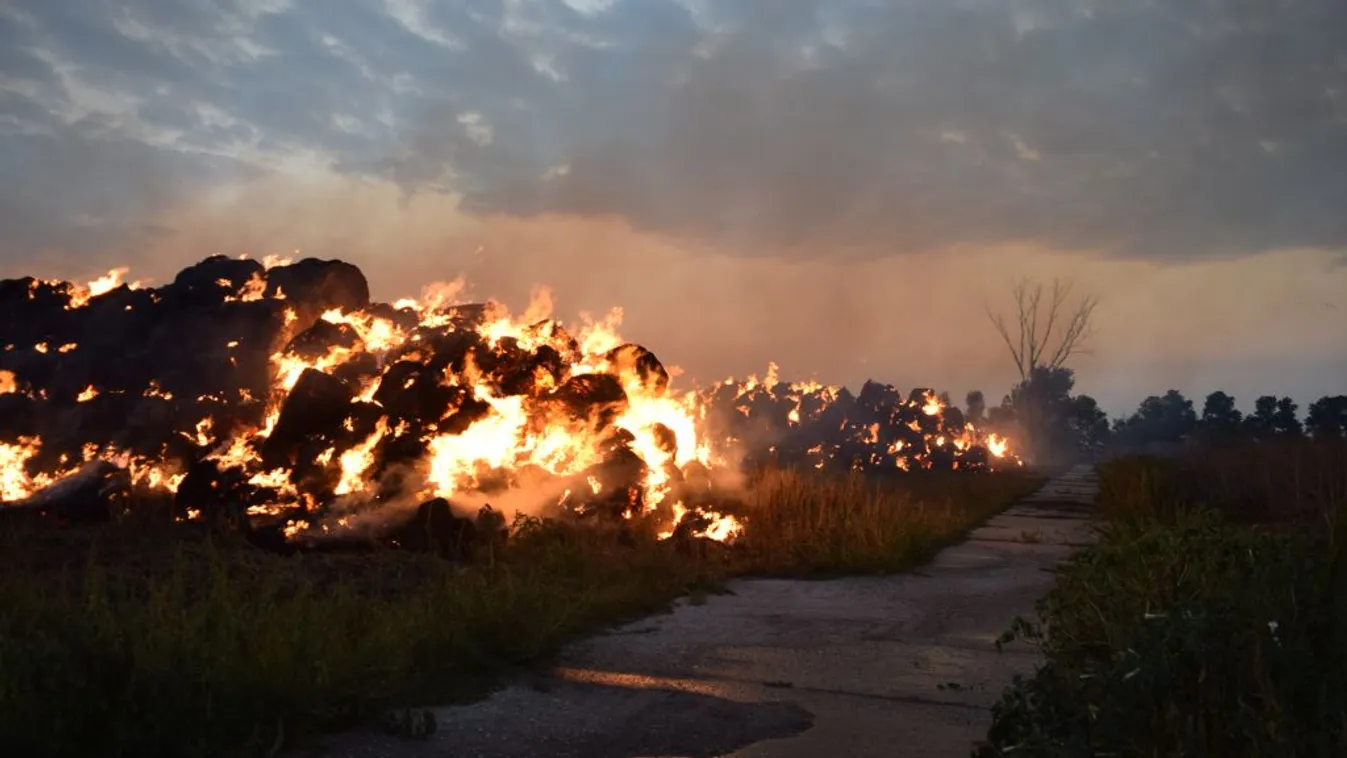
x,y
132,641
1208,621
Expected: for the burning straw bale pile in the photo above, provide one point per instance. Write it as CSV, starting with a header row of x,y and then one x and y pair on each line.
x,y
277,400
830,428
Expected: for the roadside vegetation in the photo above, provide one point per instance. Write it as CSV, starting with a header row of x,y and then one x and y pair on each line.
x,y
135,640
1211,620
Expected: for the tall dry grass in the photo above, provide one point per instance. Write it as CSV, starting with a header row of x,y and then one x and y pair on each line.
x,y
1274,481
801,523
132,641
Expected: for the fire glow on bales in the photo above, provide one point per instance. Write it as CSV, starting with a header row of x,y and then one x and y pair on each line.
x,y
280,393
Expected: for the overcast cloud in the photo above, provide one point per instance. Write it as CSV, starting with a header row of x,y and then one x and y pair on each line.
x,y
820,131
1151,129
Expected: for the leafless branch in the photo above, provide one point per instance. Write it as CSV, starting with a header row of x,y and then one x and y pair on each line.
x,y
1037,324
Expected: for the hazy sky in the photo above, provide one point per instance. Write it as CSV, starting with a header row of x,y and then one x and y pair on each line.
x,y
836,185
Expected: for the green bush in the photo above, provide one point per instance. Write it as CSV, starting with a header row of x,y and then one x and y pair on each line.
x,y
1191,637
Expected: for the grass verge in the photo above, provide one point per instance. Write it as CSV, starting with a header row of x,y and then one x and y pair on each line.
x,y
132,642
1208,621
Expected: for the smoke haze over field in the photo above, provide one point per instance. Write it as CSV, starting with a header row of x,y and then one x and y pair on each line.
x,y
837,186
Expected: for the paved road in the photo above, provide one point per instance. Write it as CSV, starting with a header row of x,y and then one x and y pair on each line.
x,y
890,666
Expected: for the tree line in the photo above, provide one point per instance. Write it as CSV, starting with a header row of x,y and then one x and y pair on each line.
x,y
1053,425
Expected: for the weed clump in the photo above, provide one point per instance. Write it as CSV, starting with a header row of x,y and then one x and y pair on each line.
x,y
1200,625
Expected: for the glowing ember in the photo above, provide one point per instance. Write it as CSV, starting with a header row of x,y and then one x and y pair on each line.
x,y
15,484
997,445
80,296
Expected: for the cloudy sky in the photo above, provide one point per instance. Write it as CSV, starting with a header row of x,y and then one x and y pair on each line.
x,y
836,185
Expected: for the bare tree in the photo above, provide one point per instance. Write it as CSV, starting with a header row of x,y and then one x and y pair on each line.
x,y
1047,334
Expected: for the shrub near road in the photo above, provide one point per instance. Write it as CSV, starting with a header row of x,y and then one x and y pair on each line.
x,y
1207,622
146,643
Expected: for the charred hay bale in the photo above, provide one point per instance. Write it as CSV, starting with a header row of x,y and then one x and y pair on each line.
x,y
18,416
447,350
362,419
697,480
152,422
515,371
358,370
33,369
97,493
313,473
549,361
599,397
320,285
178,450
634,363
412,391
942,457
464,411
212,351
434,528
322,338
221,496
224,416
878,398
975,458
406,319
399,448
834,414
812,406
105,361
67,426
104,333
952,420
554,334
665,439
490,357
613,439
723,396
621,475
31,310
217,277
466,316
314,410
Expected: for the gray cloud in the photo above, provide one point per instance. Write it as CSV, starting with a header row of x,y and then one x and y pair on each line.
x,y
793,127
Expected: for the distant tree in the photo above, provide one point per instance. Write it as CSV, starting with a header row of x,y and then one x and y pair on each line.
x,y
1260,423
1284,420
977,406
1118,427
1220,419
1042,409
1160,418
1090,425
1327,417
1045,333
1002,417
